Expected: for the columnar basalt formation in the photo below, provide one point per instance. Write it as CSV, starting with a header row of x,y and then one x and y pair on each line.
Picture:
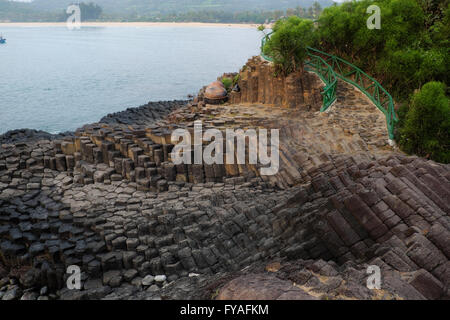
x,y
258,83
108,199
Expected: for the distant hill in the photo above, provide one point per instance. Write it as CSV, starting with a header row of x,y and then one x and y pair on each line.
x,y
18,11
155,7
227,11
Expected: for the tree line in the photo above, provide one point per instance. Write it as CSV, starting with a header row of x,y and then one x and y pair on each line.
x,y
19,12
257,17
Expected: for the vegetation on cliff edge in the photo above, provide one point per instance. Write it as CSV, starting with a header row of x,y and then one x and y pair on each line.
x,y
426,128
411,49
288,44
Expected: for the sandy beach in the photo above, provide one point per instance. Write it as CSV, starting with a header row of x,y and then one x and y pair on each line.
x,y
128,24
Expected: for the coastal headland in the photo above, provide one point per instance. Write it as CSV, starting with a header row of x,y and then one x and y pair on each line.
x,y
108,200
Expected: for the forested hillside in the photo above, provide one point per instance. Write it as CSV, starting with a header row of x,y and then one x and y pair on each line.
x,y
155,7
16,11
231,11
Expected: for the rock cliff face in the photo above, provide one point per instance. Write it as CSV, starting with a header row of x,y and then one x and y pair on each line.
x,y
259,84
109,200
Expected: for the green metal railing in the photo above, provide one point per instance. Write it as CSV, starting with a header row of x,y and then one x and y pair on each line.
x,y
368,85
263,44
326,73
328,67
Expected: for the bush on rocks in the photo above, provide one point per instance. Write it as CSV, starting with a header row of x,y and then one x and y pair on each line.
x,y
287,46
426,129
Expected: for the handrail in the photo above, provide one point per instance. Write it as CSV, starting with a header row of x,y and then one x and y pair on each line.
x,y
328,76
368,85
327,66
263,43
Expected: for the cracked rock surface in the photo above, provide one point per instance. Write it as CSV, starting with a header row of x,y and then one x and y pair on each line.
x,y
108,199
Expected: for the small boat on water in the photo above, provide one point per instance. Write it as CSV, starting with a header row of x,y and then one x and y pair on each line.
x,y
2,40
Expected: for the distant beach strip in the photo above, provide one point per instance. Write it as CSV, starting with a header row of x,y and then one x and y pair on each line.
x,y
128,24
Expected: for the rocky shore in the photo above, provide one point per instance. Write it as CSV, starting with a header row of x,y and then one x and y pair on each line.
x,y
107,198
28,135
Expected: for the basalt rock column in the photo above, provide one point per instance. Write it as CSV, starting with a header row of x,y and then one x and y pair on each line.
x,y
259,83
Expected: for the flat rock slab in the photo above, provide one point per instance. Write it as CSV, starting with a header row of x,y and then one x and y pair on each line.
x,y
262,287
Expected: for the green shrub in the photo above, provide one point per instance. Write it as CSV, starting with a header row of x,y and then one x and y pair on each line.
x,y
410,49
236,79
287,46
426,129
227,82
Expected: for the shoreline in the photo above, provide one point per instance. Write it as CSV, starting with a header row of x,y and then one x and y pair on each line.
x,y
129,24
120,117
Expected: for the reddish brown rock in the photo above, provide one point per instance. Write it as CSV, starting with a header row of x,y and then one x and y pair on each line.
x,y
262,287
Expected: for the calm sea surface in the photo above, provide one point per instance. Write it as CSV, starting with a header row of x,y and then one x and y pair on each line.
x,y
56,80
